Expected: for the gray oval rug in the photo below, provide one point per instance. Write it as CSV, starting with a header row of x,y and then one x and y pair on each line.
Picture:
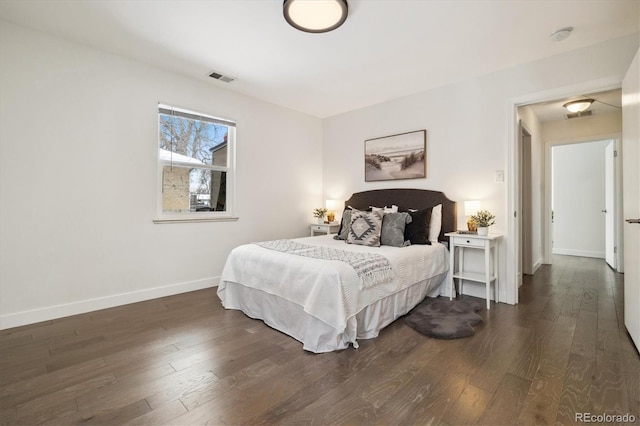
x,y
443,318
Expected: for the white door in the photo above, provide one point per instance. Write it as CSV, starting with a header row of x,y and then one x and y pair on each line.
x,y
609,205
631,197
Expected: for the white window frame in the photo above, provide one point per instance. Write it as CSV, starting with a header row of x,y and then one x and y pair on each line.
x,y
181,217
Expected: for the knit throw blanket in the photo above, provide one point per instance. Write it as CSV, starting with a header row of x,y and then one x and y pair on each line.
x,y
372,269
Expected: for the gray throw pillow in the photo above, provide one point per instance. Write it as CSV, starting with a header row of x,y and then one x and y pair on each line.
x,y
344,225
392,233
365,228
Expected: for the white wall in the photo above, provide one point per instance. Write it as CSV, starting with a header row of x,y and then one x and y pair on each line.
x,y
470,132
582,128
578,199
78,143
78,139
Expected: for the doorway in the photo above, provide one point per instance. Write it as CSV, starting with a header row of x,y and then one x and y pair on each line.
x,y
582,182
548,121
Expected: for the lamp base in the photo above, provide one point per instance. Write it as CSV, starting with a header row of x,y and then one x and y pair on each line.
x,y
472,225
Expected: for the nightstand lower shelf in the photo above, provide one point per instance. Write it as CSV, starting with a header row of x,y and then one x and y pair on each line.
x,y
474,276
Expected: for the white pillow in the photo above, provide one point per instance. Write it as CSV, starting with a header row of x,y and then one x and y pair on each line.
x,y
385,209
436,223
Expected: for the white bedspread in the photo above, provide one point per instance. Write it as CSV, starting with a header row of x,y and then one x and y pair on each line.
x,y
328,289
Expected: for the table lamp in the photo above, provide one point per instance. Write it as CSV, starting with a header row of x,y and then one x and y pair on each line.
x,y
471,207
331,205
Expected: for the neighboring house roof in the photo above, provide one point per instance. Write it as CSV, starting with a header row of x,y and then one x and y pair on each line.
x,y
168,157
218,147
221,145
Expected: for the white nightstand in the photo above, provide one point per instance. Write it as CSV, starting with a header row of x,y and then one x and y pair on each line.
x,y
325,228
489,244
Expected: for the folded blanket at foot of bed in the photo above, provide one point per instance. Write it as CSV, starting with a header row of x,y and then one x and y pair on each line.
x,y
372,269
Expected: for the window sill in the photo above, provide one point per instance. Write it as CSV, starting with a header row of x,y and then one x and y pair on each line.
x,y
191,219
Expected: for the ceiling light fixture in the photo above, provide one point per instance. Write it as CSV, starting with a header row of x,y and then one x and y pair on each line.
x,y
578,106
561,34
315,16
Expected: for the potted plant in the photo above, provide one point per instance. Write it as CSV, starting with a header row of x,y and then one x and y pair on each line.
x,y
484,219
319,213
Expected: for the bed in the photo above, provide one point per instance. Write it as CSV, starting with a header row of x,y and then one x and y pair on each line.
x,y
329,302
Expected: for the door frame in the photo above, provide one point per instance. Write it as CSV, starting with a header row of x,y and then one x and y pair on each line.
x,y
525,190
512,240
612,194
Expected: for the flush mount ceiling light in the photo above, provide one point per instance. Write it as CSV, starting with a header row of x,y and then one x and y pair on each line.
x,y
578,106
561,34
315,16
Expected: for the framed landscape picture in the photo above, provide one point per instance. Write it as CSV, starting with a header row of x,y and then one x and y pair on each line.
x,y
402,156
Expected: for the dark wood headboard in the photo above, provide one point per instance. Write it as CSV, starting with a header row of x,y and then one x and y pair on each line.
x,y
407,199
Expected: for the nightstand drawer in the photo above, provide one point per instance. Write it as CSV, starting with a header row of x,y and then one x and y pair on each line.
x,y
324,228
468,242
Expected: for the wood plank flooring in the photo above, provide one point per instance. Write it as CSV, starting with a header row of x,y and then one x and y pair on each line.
x,y
185,360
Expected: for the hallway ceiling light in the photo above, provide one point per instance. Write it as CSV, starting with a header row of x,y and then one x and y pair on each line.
x,y
315,16
578,106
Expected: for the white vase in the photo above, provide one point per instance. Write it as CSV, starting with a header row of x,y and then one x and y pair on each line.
x,y
320,220
483,230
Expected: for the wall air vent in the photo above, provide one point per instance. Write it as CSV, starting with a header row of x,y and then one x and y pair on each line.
x,y
580,114
221,77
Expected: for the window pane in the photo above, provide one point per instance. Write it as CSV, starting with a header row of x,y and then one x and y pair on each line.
x,y
193,190
186,140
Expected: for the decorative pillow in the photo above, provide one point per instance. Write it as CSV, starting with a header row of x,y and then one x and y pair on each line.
x,y
393,226
417,231
436,223
365,228
343,231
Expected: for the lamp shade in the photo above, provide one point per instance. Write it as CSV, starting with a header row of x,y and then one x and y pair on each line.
x,y
331,204
315,16
471,207
578,106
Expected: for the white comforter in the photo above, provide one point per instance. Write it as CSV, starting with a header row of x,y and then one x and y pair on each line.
x,y
328,289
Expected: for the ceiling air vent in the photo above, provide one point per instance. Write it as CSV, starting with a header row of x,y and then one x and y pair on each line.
x,y
580,114
221,77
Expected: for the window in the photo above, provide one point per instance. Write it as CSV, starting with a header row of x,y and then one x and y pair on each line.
x,y
196,158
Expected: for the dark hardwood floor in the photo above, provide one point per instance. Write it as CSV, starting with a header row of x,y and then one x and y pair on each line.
x,y
185,360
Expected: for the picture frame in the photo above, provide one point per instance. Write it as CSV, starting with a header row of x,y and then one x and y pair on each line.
x,y
396,157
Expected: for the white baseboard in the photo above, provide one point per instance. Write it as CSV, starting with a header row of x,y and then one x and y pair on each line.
x,y
581,253
537,265
59,311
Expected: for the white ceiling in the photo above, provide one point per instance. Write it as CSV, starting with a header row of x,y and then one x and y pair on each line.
x,y
386,49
